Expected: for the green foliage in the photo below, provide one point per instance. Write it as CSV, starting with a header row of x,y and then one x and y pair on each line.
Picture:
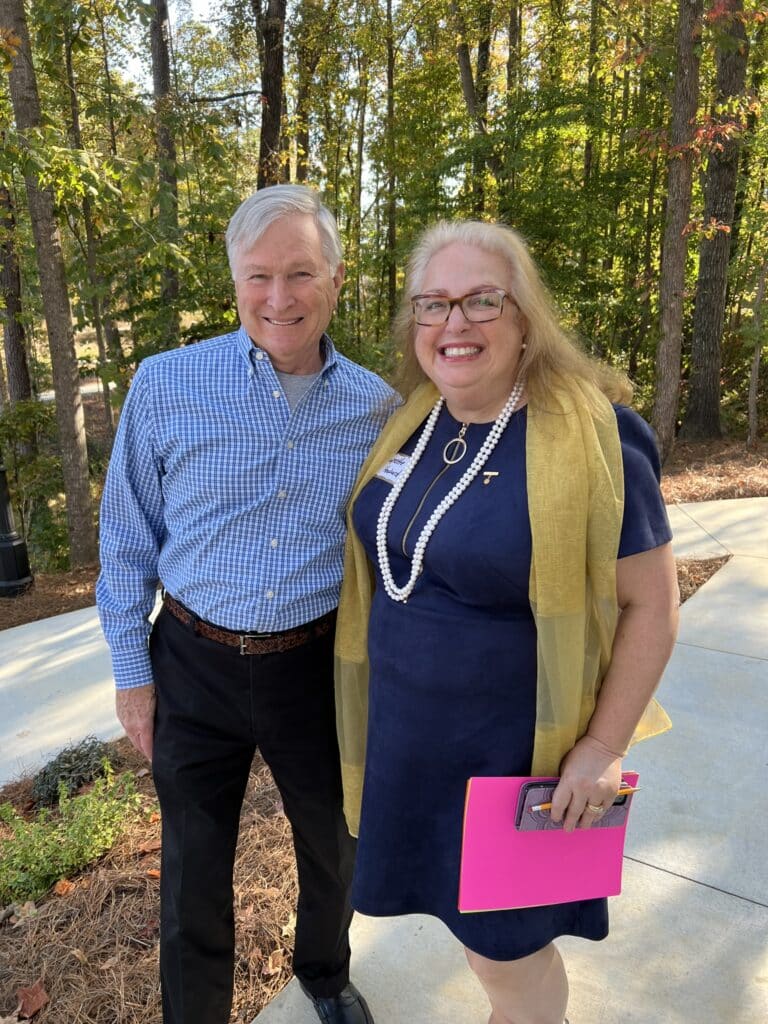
x,y
35,854
28,443
69,770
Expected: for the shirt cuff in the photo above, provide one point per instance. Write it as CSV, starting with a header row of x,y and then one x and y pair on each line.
x,y
132,668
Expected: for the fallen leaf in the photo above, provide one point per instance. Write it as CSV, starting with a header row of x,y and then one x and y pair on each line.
x,y
289,927
151,846
154,817
109,964
142,773
24,913
151,929
78,954
63,886
274,963
269,893
31,1000
153,873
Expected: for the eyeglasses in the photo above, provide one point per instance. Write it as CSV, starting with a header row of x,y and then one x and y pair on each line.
x,y
477,307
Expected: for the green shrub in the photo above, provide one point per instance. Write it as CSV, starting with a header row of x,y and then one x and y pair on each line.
x,y
36,854
72,767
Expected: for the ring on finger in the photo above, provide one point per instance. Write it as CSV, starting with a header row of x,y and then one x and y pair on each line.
x,y
596,808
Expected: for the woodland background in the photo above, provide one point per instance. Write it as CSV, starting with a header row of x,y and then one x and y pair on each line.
x,y
626,141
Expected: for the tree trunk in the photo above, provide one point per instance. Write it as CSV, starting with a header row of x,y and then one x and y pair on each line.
x,y
514,69
168,196
315,22
514,54
53,286
270,22
702,417
754,376
95,283
391,177
474,87
17,369
111,333
357,211
685,101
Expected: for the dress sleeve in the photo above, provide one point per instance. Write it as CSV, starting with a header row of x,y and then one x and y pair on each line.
x,y
645,523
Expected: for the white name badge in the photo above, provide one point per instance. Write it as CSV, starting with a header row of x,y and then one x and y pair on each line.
x,y
394,468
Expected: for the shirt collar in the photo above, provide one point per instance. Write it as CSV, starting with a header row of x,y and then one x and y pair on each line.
x,y
249,349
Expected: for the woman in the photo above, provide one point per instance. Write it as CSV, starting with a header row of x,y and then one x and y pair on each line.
x,y
508,512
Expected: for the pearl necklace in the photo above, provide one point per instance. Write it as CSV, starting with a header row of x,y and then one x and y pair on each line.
x,y
402,594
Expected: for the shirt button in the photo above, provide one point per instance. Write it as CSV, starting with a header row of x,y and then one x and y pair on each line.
x,y
273,543
270,594
275,394
289,444
259,355
282,494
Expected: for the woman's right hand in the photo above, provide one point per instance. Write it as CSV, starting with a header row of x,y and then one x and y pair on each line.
x,y
590,777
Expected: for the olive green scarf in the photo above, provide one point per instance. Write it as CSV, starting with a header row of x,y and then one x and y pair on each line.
x,y
575,485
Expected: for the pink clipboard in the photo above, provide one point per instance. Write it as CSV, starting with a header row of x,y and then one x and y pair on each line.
x,y
504,869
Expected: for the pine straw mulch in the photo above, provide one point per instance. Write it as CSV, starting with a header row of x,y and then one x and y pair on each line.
x,y
712,470
50,594
94,944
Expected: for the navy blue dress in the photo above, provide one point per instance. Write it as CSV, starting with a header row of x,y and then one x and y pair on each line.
x,y
453,677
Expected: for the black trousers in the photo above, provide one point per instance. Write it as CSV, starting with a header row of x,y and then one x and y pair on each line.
x,y
214,708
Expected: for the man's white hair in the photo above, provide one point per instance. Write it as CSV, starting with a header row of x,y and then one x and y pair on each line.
x,y
260,210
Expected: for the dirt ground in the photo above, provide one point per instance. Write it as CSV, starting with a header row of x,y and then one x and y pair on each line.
x,y
92,943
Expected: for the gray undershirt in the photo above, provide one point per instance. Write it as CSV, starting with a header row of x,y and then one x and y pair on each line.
x,y
295,386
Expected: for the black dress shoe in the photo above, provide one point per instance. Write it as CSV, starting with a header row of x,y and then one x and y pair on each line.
x,y
348,1007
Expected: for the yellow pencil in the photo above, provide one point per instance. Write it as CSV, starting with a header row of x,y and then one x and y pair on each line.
x,y
548,807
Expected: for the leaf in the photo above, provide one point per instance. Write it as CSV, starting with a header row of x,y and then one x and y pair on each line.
x,y
153,873
78,954
289,927
142,773
24,912
274,963
151,929
31,1000
109,964
151,846
63,886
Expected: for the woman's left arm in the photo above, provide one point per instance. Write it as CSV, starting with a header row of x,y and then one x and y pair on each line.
x,y
648,597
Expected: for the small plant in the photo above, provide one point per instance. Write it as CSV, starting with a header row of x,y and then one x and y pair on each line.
x,y
72,767
36,854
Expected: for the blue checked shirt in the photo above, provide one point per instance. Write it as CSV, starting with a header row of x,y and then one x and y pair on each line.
x,y
235,503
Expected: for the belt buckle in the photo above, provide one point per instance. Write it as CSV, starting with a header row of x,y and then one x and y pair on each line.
x,y
245,637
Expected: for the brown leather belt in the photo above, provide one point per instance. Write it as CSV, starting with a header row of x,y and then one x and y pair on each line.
x,y
253,643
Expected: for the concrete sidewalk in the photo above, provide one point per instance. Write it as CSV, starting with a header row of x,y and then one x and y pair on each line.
x,y
689,940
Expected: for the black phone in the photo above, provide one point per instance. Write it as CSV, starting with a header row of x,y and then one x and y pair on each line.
x,y
529,818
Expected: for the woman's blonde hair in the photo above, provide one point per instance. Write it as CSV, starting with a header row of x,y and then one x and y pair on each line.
x,y
551,357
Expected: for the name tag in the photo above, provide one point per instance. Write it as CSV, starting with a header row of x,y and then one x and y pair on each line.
x,y
394,468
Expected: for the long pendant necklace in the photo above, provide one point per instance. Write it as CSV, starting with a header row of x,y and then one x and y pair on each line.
x,y
453,452
402,594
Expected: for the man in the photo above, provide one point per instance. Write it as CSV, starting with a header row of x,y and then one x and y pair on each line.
x,y
231,469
